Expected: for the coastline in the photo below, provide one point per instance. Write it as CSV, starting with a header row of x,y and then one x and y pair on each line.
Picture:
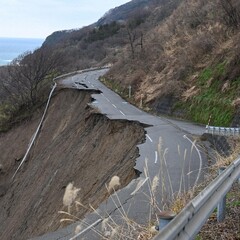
x,y
11,48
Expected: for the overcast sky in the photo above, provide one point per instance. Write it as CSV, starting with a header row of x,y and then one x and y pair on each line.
x,y
39,18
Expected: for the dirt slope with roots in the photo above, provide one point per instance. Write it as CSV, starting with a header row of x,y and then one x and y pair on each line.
x,y
76,144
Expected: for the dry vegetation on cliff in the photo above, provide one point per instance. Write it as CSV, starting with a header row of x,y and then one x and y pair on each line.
x,y
191,58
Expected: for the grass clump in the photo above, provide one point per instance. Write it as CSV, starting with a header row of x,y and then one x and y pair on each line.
x,y
214,98
205,75
70,195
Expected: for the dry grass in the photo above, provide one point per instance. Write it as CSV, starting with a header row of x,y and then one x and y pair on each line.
x,y
115,182
236,102
70,195
178,49
226,161
109,229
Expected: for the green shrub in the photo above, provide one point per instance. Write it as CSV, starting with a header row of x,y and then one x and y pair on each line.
x,y
205,75
211,101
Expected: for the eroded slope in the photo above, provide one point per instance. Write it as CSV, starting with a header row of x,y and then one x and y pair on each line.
x,y
76,144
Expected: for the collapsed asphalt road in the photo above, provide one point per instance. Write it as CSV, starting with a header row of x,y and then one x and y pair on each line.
x,y
168,152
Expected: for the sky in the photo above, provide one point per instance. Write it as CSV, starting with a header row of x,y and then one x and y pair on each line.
x,y
40,18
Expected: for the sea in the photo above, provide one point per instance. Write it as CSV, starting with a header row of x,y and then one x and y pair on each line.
x,y
10,48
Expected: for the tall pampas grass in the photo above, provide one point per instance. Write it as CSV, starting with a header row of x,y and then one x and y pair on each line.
x,y
114,183
70,195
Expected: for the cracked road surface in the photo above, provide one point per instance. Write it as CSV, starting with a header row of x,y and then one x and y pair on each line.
x,y
168,152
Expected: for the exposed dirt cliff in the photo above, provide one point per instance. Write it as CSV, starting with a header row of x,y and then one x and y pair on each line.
x,y
76,144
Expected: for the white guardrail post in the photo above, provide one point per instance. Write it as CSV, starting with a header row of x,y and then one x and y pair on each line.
x,y
190,220
80,71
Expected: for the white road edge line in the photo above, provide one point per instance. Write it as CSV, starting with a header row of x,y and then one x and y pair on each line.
x,y
156,156
122,113
105,97
149,138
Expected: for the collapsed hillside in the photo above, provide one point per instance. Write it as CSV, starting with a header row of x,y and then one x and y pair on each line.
x,y
74,141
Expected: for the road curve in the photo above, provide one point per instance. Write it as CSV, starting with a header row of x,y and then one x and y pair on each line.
x,y
168,152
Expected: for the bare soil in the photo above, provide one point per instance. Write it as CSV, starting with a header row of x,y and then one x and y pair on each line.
x,y
76,144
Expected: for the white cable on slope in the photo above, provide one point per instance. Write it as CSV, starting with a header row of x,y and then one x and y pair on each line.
x,y
36,132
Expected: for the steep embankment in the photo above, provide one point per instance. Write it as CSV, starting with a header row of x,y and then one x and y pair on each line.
x,y
76,144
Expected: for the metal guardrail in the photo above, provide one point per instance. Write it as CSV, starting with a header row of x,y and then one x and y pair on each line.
x,y
80,71
37,131
46,108
223,131
190,220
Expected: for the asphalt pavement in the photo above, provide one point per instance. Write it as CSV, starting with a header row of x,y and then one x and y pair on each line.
x,y
169,152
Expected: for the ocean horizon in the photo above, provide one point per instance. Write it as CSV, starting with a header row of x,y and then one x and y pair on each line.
x,y
11,48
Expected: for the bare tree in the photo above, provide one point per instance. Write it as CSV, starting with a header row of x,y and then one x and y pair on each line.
x,y
135,39
31,69
26,76
134,31
131,38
